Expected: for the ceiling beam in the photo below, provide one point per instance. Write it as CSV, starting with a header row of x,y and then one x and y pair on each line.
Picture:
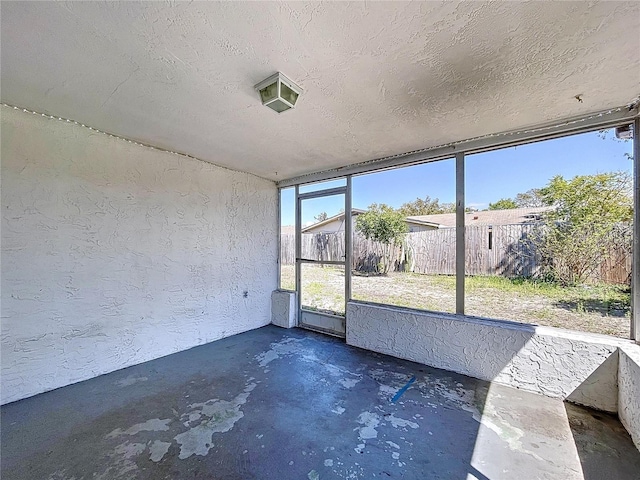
x,y
595,121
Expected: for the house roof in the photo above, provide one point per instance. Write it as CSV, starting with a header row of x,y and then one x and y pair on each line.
x,y
356,211
488,217
445,220
379,78
419,221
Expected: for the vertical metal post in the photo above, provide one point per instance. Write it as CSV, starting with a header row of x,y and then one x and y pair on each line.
x,y
298,249
635,269
460,237
279,242
347,243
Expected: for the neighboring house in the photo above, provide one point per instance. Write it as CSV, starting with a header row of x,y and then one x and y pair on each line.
x,y
487,217
420,223
332,224
335,224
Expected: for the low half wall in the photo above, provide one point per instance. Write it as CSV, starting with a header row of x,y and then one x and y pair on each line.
x,y
284,308
629,390
581,368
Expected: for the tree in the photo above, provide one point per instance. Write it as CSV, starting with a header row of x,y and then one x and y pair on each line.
x,y
530,198
503,204
426,206
381,223
321,217
577,234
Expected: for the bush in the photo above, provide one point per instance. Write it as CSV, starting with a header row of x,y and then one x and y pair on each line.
x,y
584,228
381,223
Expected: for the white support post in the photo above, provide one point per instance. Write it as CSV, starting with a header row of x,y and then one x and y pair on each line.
x,y
279,242
460,237
635,269
348,249
298,254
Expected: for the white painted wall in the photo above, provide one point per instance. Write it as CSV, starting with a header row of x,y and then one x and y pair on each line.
x,y
629,392
114,254
582,368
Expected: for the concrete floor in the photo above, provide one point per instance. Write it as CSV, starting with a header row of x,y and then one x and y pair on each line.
x,y
278,404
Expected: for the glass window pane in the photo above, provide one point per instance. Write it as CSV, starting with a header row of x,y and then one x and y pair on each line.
x,y
549,239
323,288
326,185
288,94
269,92
287,239
278,106
322,229
417,270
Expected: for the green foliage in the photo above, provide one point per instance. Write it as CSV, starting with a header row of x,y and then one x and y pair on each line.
x,y
381,223
578,235
530,198
426,206
503,204
604,198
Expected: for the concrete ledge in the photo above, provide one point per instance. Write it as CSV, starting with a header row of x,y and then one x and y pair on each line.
x,y
284,311
582,368
629,390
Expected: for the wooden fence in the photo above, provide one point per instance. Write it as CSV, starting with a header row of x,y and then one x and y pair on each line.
x,y
504,250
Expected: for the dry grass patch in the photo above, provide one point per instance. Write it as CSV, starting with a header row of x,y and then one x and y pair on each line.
x,y
590,308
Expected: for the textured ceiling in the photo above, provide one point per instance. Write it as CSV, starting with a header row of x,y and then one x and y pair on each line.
x,y
379,78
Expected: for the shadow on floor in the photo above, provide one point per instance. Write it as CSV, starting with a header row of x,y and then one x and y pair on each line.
x,y
603,445
595,305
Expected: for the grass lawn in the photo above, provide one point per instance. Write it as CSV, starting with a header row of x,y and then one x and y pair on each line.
x,y
589,308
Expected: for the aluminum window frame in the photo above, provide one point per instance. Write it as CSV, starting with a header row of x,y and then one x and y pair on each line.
x,y
599,121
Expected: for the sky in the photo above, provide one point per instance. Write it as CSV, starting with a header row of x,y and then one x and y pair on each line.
x,y
489,176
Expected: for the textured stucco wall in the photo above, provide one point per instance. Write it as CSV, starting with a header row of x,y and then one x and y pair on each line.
x,y
579,367
114,254
629,393
284,310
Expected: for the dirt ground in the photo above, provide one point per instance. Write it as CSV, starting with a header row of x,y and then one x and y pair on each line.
x,y
587,309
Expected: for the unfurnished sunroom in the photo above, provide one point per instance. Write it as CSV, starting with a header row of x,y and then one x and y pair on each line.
x,y
469,308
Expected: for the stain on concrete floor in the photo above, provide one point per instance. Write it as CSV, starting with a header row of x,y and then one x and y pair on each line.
x,y
278,404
